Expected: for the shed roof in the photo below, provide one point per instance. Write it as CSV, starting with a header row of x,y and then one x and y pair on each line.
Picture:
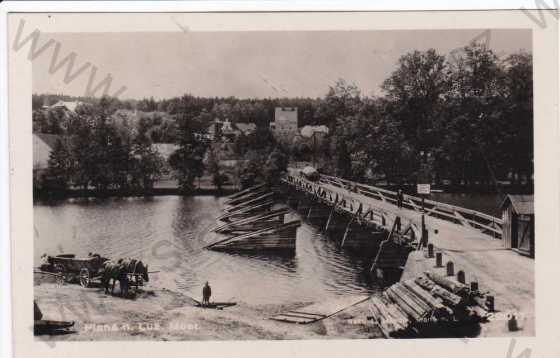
x,y
49,139
522,204
246,128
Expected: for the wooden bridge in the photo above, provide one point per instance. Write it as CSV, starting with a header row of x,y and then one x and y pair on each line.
x,y
467,239
447,227
370,204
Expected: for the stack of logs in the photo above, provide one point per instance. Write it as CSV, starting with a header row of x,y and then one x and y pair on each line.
x,y
429,303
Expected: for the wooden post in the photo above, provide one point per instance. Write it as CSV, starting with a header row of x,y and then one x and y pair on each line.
x,y
329,219
450,268
288,200
490,303
430,250
425,236
439,259
346,231
512,323
461,276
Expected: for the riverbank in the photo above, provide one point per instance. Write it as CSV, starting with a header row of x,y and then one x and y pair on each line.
x,y
161,314
117,193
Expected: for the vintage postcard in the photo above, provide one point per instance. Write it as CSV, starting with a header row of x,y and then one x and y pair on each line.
x,y
360,176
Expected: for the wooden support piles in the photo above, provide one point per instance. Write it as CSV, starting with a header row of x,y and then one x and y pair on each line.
x,y
253,201
258,220
453,286
245,191
414,308
392,321
246,197
244,212
251,226
449,298
279,238
430,304
435,303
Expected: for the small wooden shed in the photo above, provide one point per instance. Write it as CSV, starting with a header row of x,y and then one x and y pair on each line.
x,y
518,230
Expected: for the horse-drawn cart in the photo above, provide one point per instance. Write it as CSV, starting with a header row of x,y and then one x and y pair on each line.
x,y
84,269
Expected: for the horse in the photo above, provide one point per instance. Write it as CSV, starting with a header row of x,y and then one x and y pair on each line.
x,y
115,271
136,267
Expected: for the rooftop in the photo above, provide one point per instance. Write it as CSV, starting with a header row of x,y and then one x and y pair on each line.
x,y
522,204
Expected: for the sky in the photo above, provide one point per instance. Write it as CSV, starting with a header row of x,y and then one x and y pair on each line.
x,y
248,64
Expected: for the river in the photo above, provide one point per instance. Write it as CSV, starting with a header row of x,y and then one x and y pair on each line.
x,y
170,232
485,203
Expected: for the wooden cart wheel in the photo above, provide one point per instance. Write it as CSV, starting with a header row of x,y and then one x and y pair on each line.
x,y
85,277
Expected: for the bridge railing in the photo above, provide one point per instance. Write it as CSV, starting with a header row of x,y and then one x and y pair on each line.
x,y
485,223
361,211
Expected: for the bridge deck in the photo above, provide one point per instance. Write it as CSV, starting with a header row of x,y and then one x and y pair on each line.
x,y
448,233
506,274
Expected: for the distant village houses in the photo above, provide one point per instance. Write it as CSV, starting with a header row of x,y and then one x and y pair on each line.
x,y
223,136
228,131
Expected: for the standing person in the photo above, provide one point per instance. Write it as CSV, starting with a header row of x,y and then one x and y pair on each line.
x,y
206,293
400,198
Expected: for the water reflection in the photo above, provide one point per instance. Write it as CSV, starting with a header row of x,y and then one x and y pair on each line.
x,y
170,233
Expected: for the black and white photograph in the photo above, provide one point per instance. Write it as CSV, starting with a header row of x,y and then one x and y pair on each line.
x,y
283,184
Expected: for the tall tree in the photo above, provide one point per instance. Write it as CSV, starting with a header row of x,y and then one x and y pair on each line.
x,y
188,159
213,166
275,166
60,168
146,164
475,108
518,119
415,93
342,100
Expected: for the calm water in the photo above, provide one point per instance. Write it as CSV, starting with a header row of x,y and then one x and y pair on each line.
x,y
485,203
169,233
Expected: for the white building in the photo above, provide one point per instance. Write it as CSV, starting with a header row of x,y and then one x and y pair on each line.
x,y
70,106
43,145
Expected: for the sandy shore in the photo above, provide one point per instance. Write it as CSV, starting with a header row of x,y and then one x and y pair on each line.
x,y
161,314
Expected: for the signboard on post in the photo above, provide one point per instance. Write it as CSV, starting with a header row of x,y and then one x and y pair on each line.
x,y
423,188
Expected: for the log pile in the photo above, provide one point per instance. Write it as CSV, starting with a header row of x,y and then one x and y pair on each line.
x,y
250,225
427,304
